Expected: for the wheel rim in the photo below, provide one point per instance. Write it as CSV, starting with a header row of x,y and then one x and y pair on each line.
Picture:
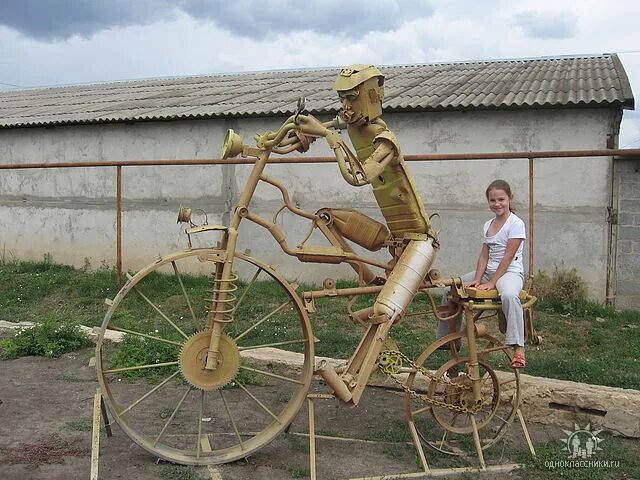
x,y
181,415
448,431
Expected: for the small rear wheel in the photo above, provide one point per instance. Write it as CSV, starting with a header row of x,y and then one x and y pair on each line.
x,y
443,405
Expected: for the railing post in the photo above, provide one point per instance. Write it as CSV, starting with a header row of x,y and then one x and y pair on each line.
x,y
531,205
119,224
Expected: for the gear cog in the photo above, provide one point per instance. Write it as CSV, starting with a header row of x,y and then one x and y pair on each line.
x,y
193,357
390,361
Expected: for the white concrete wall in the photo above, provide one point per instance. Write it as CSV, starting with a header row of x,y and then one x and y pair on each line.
x,y
70,213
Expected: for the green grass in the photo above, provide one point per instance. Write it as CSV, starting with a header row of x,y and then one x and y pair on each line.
x,y
298,472
31,291
51,338
82,425
600,348
582,342
179,472
623,456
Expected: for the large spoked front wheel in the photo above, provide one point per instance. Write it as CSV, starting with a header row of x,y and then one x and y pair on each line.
x,y
444,410
154,381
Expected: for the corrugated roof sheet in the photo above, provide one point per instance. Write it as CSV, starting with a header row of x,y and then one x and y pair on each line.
x,y
598,80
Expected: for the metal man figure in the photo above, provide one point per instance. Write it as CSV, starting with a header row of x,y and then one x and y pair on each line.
x,y
378,161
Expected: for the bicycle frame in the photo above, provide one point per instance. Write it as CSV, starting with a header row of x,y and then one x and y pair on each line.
x,y
365,356
362,362
338,252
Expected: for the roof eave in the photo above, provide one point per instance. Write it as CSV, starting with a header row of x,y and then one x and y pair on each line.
x,y
627,104
627,93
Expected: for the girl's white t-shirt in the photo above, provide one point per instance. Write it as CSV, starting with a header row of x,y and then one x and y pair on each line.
x,y
512,228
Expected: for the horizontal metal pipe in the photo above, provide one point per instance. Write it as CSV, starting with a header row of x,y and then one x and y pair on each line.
x,y
431,157
343,292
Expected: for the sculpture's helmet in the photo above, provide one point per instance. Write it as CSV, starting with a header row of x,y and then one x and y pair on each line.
x,y
361,88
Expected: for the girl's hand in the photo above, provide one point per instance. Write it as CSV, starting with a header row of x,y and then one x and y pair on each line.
x,y
470,284
486,286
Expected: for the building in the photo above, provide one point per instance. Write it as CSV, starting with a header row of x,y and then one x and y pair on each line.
x,y
566,103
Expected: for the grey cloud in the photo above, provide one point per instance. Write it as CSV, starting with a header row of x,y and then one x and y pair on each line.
x,y
61,19
545,25
352,19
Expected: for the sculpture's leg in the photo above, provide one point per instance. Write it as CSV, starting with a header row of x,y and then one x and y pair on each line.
x,y
390,306
334,236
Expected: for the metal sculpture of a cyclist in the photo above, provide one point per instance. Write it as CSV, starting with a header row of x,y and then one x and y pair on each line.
x,y
211,401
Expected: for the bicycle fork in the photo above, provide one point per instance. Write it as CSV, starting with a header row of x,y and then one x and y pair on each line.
x,y
222,305
222,300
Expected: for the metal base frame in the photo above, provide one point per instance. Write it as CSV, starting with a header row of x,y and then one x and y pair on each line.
x,y
99,409
426,471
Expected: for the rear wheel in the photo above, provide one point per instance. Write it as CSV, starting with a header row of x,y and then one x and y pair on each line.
x,y
442,410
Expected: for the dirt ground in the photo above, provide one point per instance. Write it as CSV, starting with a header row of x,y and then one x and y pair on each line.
x,y
45,420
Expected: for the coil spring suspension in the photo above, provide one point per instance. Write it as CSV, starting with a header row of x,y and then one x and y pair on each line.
x,y
222,303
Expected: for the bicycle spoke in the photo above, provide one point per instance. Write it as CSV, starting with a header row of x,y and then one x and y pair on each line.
x,y
484,379
184,292
249,285
255,399
264,319
139,334
417,412
485,352
233,423
275,344
503,420
150,392
444,435
160,312
140,367
269,374
455,353
175,412
455,417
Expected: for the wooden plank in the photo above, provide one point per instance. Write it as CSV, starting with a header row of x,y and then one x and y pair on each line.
x,y
95,439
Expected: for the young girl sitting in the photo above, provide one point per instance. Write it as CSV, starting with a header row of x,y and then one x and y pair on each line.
x,y
500,266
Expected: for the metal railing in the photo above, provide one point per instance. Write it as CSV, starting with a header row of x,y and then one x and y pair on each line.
x,y
530,156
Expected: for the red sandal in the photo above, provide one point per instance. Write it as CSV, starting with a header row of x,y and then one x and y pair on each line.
x,y
518,361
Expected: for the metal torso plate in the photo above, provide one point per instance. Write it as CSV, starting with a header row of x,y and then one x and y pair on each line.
x,y
394,189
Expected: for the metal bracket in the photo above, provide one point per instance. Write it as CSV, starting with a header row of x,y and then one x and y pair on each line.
x,y
203,228
217,256
309,302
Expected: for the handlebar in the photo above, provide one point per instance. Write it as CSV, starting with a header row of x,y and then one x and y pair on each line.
x,y
297,133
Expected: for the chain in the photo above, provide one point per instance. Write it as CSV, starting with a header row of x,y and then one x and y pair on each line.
x,y
389,363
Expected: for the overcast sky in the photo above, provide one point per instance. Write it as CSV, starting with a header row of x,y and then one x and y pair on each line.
x,y
56,42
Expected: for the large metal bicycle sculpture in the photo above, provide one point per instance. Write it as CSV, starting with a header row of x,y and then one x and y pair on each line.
x,y
210,404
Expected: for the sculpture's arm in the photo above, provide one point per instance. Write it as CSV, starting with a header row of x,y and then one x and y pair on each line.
x,y
354,171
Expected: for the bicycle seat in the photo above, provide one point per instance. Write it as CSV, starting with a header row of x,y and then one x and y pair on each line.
x,y
475,294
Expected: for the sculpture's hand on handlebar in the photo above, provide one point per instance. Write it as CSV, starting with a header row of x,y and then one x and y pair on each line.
x,y
311,126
